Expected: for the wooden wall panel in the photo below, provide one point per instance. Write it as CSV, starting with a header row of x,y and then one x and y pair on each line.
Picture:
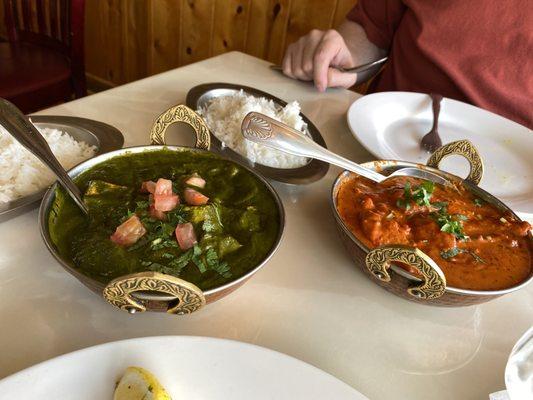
x,y
136,38
197,19
166,35
104,42
280,22
308,14
230,25
130,39
259,28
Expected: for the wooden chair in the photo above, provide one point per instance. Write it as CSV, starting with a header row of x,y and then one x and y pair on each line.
x,y
43,62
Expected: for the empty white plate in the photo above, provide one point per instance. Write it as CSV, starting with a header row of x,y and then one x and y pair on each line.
x,y
191,368
391,125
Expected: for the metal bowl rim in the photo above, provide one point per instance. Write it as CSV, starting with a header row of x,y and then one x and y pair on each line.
x,y
390,163
87,164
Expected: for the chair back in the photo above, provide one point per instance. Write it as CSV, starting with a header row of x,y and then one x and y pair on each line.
x,y
54,23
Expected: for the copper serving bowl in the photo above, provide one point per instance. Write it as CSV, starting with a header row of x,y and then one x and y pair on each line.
x,y
153,291
378,263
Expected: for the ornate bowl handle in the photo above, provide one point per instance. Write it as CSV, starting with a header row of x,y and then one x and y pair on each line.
x,y
181,113
462,148
434,283
187,297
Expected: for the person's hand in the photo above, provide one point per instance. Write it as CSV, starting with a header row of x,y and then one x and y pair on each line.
x,y
314,58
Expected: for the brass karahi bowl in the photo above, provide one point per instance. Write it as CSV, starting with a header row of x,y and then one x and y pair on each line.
x,y
378,263
153,291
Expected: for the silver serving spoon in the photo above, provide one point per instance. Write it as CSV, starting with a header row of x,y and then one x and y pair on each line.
x,y
356,69
259,128
23,130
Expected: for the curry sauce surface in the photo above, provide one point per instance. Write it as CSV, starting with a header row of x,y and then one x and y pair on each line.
x,y
495,254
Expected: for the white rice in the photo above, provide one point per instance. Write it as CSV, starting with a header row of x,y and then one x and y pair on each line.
x,y
224,117
21,173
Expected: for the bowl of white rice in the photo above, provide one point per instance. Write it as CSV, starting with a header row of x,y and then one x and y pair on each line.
x,y
24,178
223,106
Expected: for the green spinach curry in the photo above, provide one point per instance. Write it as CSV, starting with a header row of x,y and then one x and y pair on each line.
x,y
233,230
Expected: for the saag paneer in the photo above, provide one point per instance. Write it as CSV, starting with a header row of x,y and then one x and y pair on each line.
x,y
188,214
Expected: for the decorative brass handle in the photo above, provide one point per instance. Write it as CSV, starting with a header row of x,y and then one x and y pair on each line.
x,y
187,297
181,113
378,263
462,148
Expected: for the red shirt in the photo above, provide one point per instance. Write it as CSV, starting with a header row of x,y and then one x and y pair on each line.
x,y
478,51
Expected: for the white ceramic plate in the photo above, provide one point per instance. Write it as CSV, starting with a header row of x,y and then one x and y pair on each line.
x,y
391,125
519,369
188,367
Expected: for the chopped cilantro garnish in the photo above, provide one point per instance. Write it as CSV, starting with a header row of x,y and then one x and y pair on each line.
x,y
440,205
420,194
182,260
160,243
195,258
476,257
142,204
177,216
451,253
451,224
423,193
217,213
140,243
478,202
157,267
157,244
128,215
222,268
405,201
208,225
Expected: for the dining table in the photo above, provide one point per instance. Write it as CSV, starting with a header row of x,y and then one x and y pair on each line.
x,y
309,301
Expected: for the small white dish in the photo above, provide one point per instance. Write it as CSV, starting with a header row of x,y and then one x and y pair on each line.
x,y
188,367
519,369
390,125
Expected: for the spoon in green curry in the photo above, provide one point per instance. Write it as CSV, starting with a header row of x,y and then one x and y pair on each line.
x,y
259,128
23,130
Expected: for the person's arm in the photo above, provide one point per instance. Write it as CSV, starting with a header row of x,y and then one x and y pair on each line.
x,y
315,56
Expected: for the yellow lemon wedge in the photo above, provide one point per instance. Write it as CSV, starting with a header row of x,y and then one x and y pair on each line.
x,y
139,384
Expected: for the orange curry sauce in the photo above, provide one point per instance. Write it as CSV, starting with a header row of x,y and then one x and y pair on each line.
x,y
495,255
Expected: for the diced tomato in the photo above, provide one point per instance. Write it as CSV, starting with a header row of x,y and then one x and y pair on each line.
x,y
156,214
164,199
148,187
166,202
163,187
128,232
196,180
185,236
195,198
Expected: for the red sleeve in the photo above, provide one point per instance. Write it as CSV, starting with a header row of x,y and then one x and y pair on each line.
x,y
379,18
